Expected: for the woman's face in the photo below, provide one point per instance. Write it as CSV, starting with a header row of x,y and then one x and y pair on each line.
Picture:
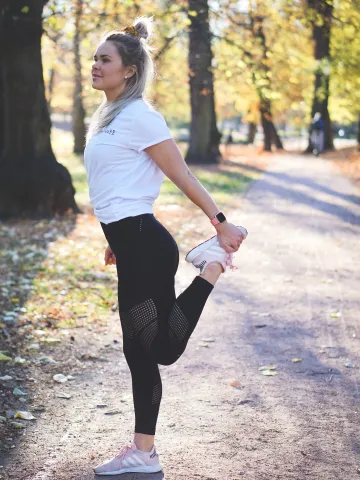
x,y
108,71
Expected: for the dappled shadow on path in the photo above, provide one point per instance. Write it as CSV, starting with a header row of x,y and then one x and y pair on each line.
x,y
318,395
289,181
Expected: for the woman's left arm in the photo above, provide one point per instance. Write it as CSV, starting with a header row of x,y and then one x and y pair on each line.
x,y
168,157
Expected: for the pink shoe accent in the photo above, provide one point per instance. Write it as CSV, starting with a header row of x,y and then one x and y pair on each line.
x,y
228,262
123,450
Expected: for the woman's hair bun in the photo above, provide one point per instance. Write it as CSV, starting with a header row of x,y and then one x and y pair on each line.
x,y
144,27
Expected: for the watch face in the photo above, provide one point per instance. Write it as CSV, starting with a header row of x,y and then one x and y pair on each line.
x,y
221,217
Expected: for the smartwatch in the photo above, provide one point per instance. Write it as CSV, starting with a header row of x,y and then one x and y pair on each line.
x,y
219,218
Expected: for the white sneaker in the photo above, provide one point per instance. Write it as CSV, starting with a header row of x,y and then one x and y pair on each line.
x,y
210,252
130,459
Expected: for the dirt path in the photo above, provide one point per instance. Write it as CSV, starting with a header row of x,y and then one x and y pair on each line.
x,y
295,295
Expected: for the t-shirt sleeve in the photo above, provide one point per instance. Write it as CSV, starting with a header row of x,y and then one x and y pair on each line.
x,y
149,128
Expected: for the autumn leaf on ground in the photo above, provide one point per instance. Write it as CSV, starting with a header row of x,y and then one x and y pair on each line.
x,y
4,358
63,395
24,415
235,384
268,373
60,378
296,360
268,367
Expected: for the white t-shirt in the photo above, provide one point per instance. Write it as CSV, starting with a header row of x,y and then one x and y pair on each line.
x,y
123,180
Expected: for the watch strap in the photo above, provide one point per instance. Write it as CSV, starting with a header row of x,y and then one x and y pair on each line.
x,y
218,218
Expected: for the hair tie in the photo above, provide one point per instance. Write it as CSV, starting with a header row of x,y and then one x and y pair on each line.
x,y
131,30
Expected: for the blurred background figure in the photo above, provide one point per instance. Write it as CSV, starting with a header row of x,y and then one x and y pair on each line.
x,y
228,142
317,133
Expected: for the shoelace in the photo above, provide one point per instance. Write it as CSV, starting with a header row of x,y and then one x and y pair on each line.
x,y
228,262
123,450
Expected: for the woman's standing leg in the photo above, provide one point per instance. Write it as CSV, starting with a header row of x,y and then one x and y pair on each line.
x,y
147,390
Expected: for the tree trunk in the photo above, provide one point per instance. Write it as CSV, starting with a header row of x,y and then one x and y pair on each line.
x,y
204,134
251,133
266,125
270,133
32,183
321,36
78,114
276,138
51,88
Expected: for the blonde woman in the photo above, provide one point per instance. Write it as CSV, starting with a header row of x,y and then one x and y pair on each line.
x,y
129,150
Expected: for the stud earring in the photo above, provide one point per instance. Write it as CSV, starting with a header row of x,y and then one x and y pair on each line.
x,y
125,77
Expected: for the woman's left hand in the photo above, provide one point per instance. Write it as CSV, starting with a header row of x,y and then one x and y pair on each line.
x,y
229,236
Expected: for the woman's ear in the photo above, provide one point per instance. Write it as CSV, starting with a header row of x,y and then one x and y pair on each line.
x,y
131,71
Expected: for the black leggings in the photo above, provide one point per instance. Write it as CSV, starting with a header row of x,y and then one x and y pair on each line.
x,y
156,325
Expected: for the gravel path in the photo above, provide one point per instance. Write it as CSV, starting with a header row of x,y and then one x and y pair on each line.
x,y
295,295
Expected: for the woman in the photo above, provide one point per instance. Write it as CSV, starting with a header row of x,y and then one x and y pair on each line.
x,y
129,149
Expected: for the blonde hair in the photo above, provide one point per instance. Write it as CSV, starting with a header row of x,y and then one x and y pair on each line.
x,y
134,50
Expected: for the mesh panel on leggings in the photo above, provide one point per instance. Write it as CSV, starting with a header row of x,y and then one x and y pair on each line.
x,y
125,320
147,335
140,316
178,322
156,397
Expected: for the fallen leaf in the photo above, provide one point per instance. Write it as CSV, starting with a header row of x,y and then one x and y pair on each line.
x,y
63,395
18,392
17,424
235,384
336,315
268,373
39,333
45,359
296,360
268,367
20,360
24,415
51,341
60,378
113,411
4,358
202,344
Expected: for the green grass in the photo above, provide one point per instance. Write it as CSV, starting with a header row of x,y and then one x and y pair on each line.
x,y
222,186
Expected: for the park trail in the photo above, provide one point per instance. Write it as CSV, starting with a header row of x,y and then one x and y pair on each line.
x,y
292,306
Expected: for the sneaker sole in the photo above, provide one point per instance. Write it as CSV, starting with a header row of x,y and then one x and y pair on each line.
x,y
207,244
146,469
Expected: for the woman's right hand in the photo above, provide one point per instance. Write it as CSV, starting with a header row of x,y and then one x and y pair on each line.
x,y
110,258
